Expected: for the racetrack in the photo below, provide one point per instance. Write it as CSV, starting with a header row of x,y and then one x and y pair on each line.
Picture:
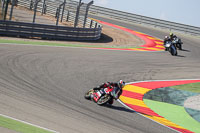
x,y
46,85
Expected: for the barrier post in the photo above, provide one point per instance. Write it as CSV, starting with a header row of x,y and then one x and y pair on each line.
x,y
58,13
3,5
68,14
63,10
11,11
91,22
44,6
35,9
86,12
31,5
6,9
77,13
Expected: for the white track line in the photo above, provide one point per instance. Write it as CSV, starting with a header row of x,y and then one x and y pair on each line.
x,y
28,123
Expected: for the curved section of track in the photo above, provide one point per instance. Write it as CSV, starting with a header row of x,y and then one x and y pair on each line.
x,y
45,85
151,43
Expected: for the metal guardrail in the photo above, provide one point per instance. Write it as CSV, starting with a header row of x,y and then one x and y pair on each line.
x,y
22,29
29,30
123,16
134,18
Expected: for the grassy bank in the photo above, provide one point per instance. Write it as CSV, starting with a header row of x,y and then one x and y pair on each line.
x,y
49,43
194,87
20,126
175,114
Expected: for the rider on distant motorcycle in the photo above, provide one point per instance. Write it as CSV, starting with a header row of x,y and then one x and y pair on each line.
x,y
111,85
165,40
177,41
172,36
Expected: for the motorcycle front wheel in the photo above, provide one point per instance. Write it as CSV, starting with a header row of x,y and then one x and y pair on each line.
x,y
104,99
173,51
88,94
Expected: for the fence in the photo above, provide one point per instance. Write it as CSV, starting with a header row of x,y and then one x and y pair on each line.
x,y
134,18
22,29
1,7
52,8
44,31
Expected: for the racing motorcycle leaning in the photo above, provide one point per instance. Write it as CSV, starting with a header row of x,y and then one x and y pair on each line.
x,y
104,95
177,42
170,46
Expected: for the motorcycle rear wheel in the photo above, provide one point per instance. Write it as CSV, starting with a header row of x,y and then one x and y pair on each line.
x,y
104,99
179,46
173,51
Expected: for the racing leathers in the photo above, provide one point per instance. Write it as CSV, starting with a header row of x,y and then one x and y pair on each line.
x,y
172,37
117,91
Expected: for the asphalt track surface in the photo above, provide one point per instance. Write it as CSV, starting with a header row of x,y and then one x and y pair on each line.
x,y
45,85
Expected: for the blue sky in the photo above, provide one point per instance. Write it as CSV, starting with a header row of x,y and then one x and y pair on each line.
x,y
181,11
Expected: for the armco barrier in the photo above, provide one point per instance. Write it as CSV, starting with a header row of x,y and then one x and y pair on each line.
x,y
134,18
22,29
125,16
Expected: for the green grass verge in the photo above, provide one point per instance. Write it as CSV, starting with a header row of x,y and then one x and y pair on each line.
x,y
19,126
175,114
194,87
58,44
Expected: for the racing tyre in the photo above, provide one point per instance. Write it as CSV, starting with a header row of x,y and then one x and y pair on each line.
x,y
104,99
173,51
88,94
179,46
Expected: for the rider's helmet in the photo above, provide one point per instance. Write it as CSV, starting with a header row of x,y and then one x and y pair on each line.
x,y
166,37
121,84
171,34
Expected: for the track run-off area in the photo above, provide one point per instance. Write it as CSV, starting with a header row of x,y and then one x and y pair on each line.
x,y
45,86
133,97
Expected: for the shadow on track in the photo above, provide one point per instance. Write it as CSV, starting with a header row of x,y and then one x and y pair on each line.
x,y
180,56
103,39
119,108
185,50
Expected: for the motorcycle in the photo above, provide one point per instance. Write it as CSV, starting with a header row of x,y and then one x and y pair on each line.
x,y
104,95
178,43
170,46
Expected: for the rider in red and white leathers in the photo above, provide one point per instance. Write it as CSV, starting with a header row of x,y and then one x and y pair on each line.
x,y
111,85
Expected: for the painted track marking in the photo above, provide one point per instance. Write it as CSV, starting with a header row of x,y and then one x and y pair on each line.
x,y
132,97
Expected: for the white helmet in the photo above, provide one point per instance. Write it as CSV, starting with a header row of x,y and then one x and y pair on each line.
x,y
121,84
